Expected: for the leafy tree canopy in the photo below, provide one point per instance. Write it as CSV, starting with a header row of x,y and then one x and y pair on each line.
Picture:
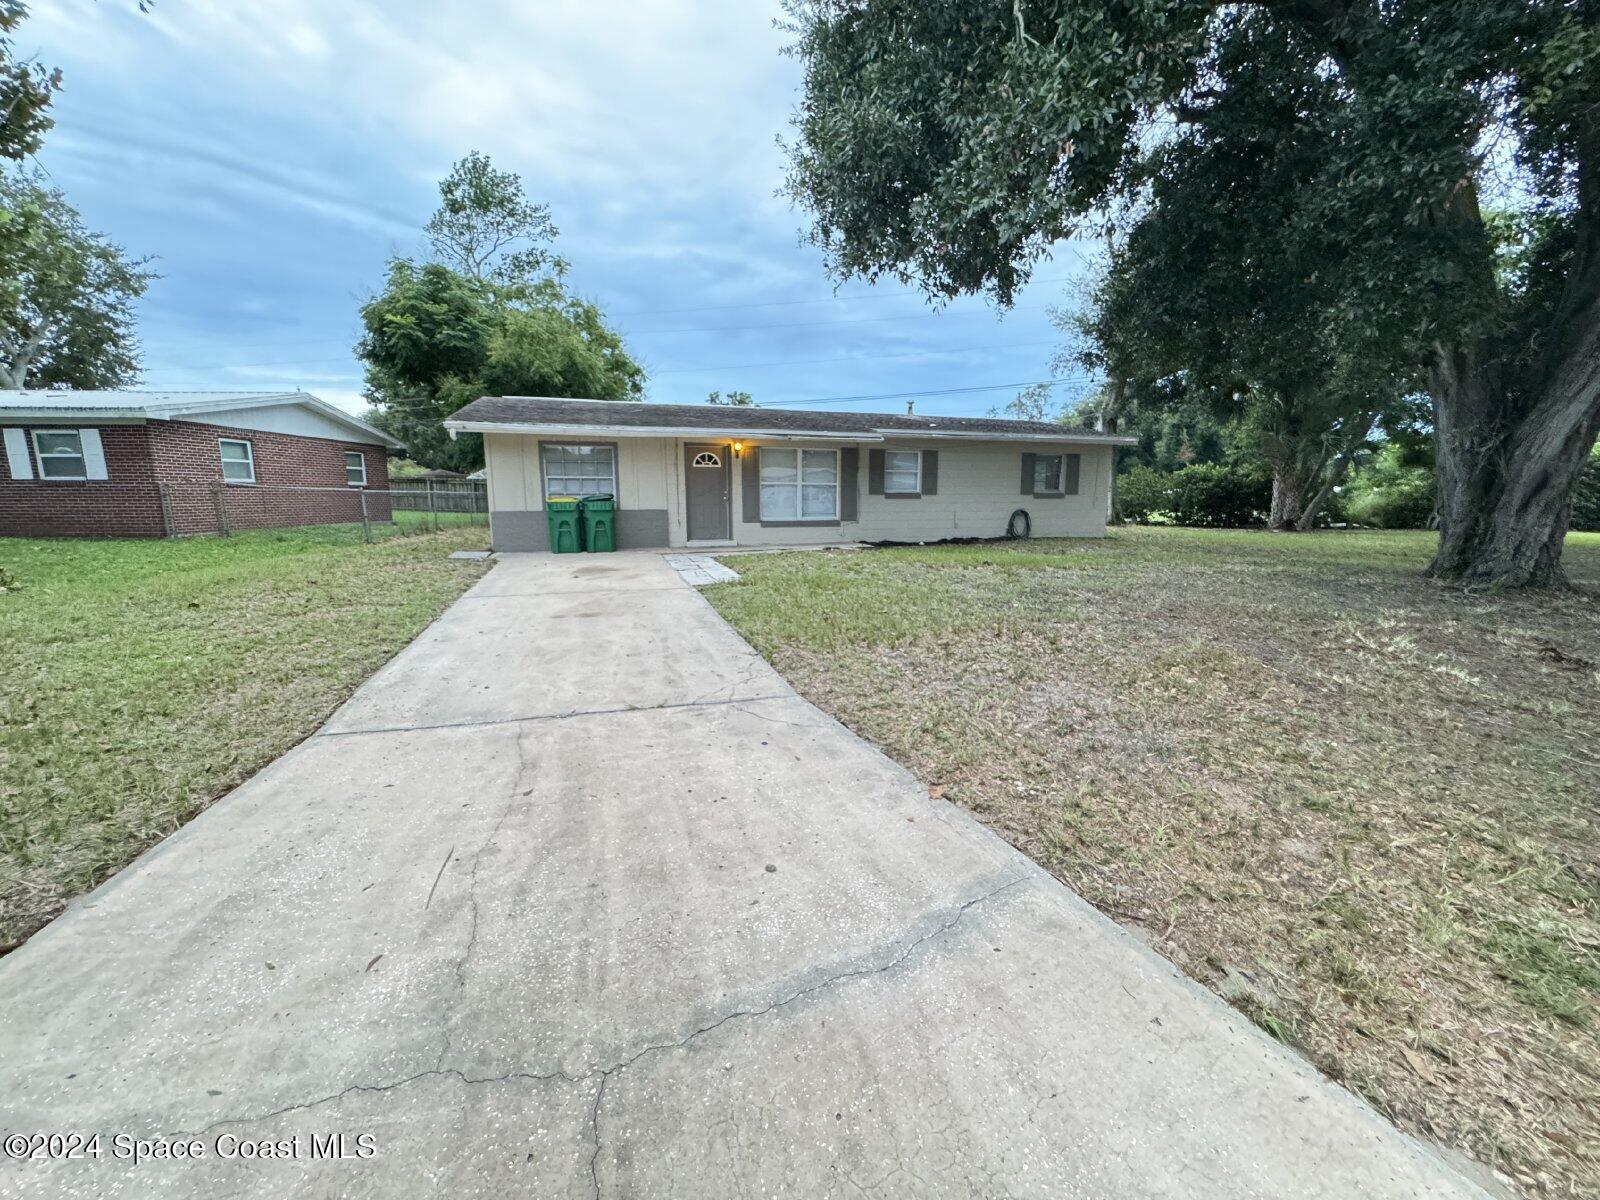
x,y
735,399
953,143
26,89
66,294
490,315
486,227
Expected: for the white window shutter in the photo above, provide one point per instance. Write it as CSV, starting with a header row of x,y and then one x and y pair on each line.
x,y
94,455
17,460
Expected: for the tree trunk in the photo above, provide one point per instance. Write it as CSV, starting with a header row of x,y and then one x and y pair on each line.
x,y
1505,481
1332,478
1290,490
15,363
1509,451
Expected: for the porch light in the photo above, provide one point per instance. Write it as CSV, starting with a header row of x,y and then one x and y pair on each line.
x,y
738,449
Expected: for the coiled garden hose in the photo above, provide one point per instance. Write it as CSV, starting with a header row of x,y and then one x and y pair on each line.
x,y
1020,525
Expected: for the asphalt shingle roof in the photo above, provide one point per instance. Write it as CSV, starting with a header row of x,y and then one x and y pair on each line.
x,y
540,410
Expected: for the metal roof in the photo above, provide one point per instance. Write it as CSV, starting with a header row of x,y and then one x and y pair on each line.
x,y
131,405
634,418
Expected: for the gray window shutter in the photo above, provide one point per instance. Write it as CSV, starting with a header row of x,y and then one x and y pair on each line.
x,y
1070,465
874,472
1027,474
94,455
750,484
17,460
849,470
930,472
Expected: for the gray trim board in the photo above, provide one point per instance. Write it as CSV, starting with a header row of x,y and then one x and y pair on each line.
x,y
521,530
850,483
641,528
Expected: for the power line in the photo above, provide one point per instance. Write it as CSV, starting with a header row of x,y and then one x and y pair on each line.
x,y
807,362
993,387
813,324
658,312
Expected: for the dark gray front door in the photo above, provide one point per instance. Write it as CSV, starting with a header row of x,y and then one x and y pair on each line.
x,y
706,473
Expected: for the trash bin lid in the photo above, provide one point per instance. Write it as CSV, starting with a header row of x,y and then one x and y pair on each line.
x,y
600,496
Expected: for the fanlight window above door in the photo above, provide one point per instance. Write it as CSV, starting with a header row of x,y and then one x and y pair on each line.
x,y
707,459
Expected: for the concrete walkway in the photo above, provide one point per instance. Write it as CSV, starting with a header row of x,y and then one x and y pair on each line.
x,y
577,898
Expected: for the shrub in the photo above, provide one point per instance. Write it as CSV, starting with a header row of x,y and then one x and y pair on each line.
x,y
1205,495
1389,494
1141,492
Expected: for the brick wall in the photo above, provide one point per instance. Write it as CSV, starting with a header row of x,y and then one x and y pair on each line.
x,y
188,462
128,504
177,464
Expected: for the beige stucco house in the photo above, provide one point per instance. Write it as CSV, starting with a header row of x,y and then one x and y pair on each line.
x,y
701,475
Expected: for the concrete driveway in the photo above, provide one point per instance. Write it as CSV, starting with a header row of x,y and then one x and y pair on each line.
x,y
577,898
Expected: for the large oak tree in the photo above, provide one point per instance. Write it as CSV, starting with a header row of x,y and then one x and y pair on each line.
x,y
952,142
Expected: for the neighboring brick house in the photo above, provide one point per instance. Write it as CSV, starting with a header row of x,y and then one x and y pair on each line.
x,y
165,464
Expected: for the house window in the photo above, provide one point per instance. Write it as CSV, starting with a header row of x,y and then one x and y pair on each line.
x,y
60,454
706,459
355,468
1047,475
799,485
579,470
902,472
238,460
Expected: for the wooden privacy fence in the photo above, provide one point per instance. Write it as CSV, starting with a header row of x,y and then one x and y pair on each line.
x,y
440,496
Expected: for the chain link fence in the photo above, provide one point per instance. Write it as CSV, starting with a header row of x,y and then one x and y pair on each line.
x,y
188,509
380,512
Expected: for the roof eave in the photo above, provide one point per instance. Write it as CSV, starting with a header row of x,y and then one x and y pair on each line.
x,y
656,431
169,412
104,416
821,435
1066,435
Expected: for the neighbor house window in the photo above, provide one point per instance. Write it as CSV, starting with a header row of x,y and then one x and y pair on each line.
x,y
355,468
1047,475
238,460
902,472
579,470
60,454
799,485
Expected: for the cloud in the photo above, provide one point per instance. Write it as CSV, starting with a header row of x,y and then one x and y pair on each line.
x,y
275,154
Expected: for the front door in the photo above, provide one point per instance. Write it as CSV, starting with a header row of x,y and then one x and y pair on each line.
x,y
707,473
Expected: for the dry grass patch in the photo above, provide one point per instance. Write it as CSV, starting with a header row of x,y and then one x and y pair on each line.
x,y
1359,805
141,680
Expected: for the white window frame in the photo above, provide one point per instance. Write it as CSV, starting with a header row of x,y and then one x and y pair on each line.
x,y
40,457
546,476
1061,475
916,489
249,459
361,461
799,485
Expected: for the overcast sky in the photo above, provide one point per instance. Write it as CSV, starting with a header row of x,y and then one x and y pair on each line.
x,y
273,155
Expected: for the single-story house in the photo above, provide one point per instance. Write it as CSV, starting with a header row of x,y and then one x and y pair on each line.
x,y
703,475
164,464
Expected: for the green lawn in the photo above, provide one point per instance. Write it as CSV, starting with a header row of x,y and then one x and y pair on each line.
x,y
139,680
1360,805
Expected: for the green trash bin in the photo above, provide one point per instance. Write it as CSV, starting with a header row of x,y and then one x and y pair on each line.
x,y
599,523
566,524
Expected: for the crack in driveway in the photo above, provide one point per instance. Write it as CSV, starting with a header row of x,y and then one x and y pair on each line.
x,y
560,716
898,957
